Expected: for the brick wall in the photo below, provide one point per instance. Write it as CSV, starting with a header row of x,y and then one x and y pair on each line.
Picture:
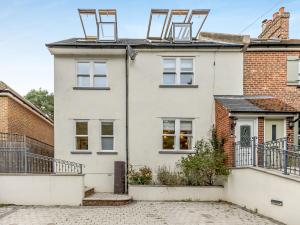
x,y
289,131
16,118
265,73
223,130
261,129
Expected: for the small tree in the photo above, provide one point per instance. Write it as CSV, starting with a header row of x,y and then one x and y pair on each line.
x,y
208,162
43,100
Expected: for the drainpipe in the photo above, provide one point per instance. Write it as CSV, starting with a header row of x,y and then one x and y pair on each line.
x,y
126,112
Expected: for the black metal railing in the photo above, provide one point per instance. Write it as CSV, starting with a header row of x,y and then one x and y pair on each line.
x,y
19,161
276,155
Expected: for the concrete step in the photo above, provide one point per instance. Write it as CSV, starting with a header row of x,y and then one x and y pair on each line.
x,y
88,191
106,199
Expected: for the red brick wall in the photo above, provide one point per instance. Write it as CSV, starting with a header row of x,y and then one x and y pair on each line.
x,y
265,73
223,130
16,118
261,129
289,131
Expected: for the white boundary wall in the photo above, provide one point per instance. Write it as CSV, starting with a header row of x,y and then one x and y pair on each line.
x,y
33,189
176,193
254,188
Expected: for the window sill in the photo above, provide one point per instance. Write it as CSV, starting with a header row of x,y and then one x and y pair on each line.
x,y
91,88
178,86
84,152
107,153
177,151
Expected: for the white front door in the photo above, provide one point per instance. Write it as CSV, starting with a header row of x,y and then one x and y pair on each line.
x,y
245,129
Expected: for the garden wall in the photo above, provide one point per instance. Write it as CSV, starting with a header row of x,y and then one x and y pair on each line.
x,y
176,193
33,189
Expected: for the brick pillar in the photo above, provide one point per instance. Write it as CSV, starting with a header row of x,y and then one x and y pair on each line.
x,y
224,132
290,131
261,129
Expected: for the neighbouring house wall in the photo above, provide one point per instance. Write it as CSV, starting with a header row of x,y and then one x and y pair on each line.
x,y
33,189
16,118
265,73
223,129
254,189
3,114
94,106
149,103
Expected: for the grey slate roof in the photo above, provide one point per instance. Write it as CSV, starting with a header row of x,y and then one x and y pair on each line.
x,y
254,104
143,43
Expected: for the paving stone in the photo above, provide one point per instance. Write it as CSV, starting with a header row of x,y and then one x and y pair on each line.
x,y
137,213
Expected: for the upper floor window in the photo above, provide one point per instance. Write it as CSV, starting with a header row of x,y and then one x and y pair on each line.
x,y
178,71
91,74
177,134
81,135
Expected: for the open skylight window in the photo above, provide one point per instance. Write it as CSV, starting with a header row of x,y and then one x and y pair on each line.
x,y
197,18
176,16
88,18
107,25
157,22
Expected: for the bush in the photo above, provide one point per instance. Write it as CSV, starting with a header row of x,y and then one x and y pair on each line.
x,y
167,177
142,176
206,164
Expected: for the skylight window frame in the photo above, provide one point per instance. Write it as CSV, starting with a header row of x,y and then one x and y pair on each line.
x,y
204,12
102,12
157,11
175,12
178,40
88,12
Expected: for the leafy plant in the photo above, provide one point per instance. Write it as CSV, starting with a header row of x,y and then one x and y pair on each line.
x,y
142,176
167,177
206,164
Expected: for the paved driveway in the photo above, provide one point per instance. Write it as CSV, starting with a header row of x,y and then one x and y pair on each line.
x,y
174,213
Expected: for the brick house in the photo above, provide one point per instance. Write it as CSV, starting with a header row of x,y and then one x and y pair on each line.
x,y
270,72
18,115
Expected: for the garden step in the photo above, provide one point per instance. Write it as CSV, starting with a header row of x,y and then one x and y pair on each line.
x,y
106,199
88,191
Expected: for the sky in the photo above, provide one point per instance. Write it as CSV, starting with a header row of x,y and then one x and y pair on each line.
x,y
27,25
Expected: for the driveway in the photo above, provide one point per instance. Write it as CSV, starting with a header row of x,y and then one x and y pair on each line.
x,y
158,213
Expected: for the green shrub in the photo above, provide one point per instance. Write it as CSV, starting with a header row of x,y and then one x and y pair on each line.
x,y
142,176
167,177
206,164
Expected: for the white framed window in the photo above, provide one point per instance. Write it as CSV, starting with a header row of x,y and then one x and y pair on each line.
x,y
107,136
92,74
177,134
178,71
81,135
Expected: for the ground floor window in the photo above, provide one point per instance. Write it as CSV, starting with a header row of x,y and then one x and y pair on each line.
x,y
81,135
177,134
107,135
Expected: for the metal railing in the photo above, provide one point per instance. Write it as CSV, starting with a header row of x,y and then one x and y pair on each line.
x,y
19,161
276,155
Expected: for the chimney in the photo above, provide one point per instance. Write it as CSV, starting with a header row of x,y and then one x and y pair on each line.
x,y
277,27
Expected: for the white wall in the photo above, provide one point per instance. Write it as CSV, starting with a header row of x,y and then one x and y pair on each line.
x,y
41,189
255,188
149,103
93,105
167,193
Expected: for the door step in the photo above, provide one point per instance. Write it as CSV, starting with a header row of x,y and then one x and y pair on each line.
x,y
88,191
106,199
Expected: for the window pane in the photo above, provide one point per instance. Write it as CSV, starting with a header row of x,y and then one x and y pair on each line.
x,y
107,128
245,136
81,128
186,78
169,126
186,127
169,78
83,81
107,143
185,142
83,68
99,68
100,81
82,143
186,65
168,142
169,65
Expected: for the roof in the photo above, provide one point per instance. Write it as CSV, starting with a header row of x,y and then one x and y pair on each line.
x,y
4,88
142,43
254,104
256,42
